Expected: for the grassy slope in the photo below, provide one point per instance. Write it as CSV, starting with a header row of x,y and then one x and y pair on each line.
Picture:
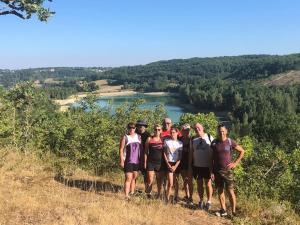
x,y
288,78
29,194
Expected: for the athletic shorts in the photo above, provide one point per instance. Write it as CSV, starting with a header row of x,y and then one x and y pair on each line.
x,y
201,172
153,166
172,164
224,178
131,167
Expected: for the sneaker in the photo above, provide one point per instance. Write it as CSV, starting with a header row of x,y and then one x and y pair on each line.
x,y
190,202
185,199
201,205
175,200
208,206
149,196
221,213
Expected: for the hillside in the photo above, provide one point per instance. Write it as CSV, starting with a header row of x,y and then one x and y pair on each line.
x,y
284,79
29,194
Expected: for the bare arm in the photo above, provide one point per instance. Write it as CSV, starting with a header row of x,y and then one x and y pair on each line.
x,y
121,151
239,158
179,159
146,152
191,151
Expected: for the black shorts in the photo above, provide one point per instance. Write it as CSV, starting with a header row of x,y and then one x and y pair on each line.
x,y
224,178
172,164
201,172
152,166
131,167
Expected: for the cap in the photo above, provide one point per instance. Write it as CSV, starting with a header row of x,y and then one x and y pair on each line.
x,y
141,123
186,126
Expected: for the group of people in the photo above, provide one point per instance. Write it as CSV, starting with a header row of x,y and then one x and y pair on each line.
x,y
169,152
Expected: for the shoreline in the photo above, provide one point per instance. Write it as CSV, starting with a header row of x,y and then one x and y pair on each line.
x,y
63,103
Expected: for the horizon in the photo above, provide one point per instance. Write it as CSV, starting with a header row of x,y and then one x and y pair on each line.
x,y
117,33
50,67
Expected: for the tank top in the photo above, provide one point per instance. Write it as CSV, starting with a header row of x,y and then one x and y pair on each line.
x,y
133,149
155,151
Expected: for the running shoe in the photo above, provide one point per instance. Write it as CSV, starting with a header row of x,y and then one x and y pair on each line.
x,y
201,205
208,206
221,213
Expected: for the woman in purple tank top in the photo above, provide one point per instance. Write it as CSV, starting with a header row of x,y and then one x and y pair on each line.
x,y
130,148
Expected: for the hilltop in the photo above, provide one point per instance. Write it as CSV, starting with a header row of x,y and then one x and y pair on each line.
x,y
30,194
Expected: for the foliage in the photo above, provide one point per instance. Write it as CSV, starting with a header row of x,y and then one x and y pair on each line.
x,y
25,8
209,121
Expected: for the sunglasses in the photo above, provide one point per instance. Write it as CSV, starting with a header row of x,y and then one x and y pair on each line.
x,y
157,129
131,127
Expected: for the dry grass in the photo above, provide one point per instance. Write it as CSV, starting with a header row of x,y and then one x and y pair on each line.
x,y
30,195
289,78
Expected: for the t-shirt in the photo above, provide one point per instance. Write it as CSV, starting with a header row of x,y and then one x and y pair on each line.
x,y
173,149
144,137
155,151
222,153
165,134
202,151
133,148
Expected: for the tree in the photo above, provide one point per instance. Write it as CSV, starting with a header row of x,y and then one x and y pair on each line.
x,y
25,8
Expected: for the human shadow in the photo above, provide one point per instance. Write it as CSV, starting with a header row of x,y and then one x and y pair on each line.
x,y
89,185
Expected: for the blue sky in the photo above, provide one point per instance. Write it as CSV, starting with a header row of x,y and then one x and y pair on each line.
x,y
132,32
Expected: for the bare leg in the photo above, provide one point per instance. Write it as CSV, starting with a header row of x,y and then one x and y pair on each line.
x,y
176,186
132,184
209,189
232,199
200,188
150,175
186,186
190,181
159,179
170,185
222,198
127,183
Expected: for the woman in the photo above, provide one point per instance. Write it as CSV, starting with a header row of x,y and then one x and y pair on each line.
x,y
184,164
172,156
130,147
153,158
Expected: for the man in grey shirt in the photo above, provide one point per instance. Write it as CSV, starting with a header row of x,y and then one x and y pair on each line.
x,y
200,163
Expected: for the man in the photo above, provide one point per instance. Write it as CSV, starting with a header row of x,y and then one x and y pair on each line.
x,y
223,167
200,163
141,126
166,131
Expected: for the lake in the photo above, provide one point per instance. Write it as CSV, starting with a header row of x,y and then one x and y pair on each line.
x,y
172,104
